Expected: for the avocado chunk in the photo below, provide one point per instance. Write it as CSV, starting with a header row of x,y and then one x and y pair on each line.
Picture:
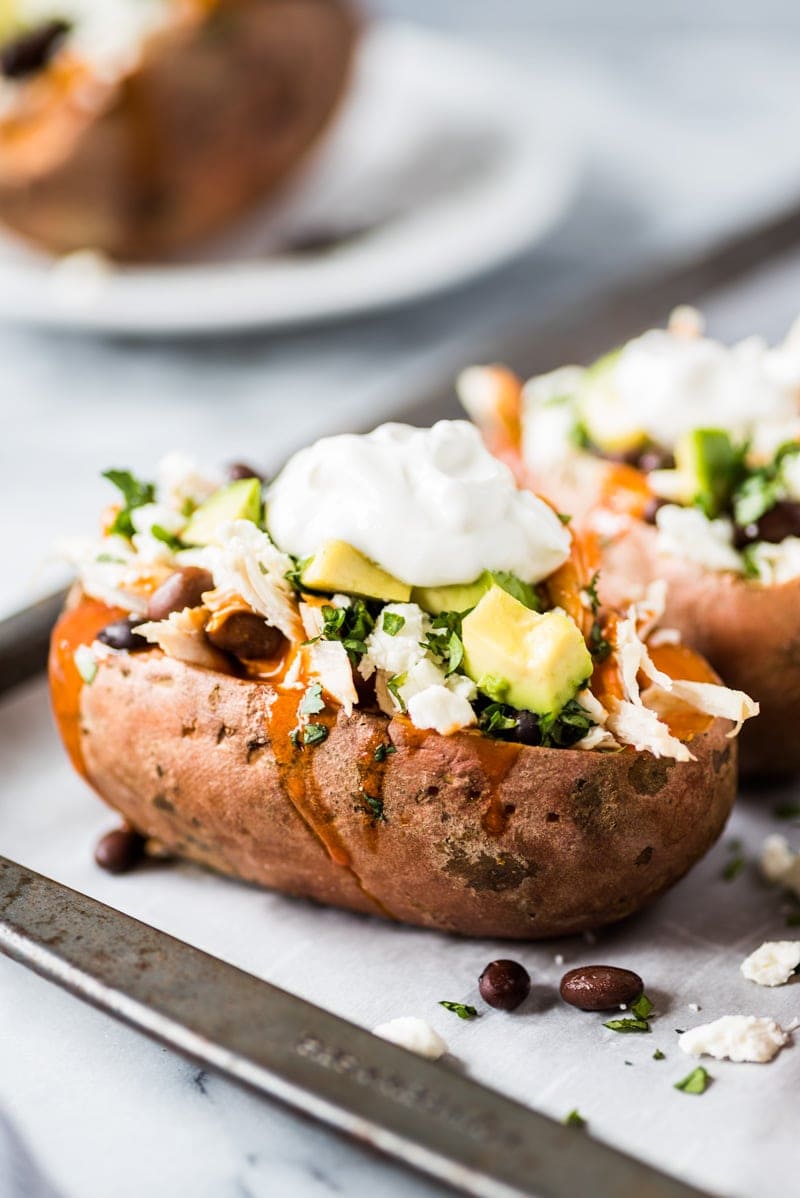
x,y
464,596
457,597
236,501
517,656
608,422
711,466
337,566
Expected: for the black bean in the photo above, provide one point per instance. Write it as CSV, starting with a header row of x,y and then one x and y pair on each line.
x,y
182,589
600,987
655,459
653,506
504,985
240,470
119,851
783,520
32,50
247,635
120,635
526,729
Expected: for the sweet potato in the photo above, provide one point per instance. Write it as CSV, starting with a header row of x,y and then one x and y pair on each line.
x,y
222,105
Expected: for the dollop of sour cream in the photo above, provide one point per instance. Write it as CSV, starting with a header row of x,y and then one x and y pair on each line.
x,y
669,384
430,506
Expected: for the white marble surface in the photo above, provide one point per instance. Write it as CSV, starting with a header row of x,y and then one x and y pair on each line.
x,y
682,118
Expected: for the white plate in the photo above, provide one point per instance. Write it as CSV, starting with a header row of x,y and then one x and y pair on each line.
x,y
440,154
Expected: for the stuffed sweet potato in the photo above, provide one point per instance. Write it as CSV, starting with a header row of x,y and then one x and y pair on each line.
x,y
683,457
147,125
370,724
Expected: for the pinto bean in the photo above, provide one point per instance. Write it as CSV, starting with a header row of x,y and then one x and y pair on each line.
x,y
182,589
247,635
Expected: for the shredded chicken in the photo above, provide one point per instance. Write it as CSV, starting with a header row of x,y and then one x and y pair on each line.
x,y
182,636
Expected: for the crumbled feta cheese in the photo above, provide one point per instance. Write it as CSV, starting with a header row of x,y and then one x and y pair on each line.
x,y
438,708
685,532
776,563
396,654
414,1034
773,963
779,863
735,1038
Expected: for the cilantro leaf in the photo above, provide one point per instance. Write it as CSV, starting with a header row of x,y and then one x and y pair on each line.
x,y
463,1010
351,625
444,640
135,493
314,734
168,538
382,752
574,1119
627,1025
566,727
392,623
696,1082
313,701
372,806
393,685
642,1008
658,1055
495,719
523,591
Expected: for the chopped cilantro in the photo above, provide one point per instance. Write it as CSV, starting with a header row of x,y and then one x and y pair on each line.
x,y
599,645
393,685
313,701
373,806
161,534
314,734
294,737
642,1008
351,625
696,1082
135,494
787,811
382,752
658,1055
734,866
566,727
392,623
523,591
574,1119
444,640
463,1010
579,436
759,492
494,719
564,518
627,1025
295,575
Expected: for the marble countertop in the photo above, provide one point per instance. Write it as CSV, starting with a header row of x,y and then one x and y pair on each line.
x,y
682,127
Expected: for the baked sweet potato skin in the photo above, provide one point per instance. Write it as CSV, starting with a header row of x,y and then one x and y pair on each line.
x,y
217,114
458,833
750,633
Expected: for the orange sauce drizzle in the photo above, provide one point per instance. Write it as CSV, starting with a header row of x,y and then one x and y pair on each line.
x,y
79,625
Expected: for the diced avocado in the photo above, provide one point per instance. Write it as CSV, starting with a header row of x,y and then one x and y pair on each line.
x,y
236,501
517,656
337,566
711,465
608,422
458,597
464,596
